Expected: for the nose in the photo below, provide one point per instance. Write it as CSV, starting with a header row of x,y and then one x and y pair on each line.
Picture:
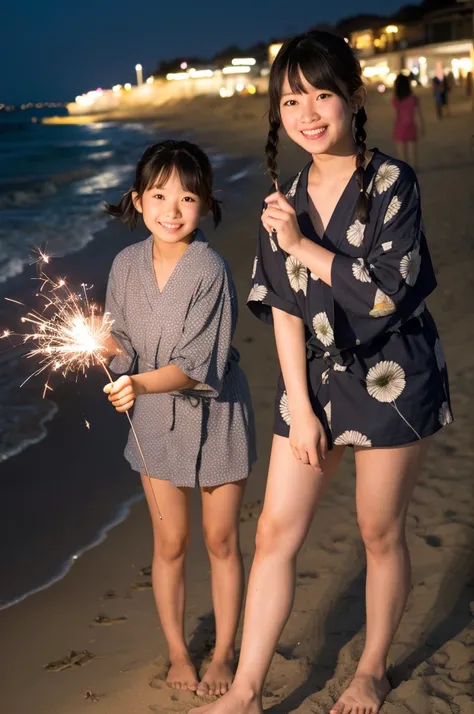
x,y
173,210
309,112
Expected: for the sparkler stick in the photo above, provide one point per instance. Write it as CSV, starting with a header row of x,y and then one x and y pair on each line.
x,y
69,335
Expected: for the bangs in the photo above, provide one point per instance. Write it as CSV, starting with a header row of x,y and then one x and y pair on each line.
x,y
314,66
159,171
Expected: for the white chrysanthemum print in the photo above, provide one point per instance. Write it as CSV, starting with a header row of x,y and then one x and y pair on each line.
x,y
360,272
328,412
257,293
385,381
392,210
272,243
410,266
254,270
387,245
445,416
439,354
297,274
323,330
386,177
313,276
293,187
339,367
352,438
285,409
325,376
355,233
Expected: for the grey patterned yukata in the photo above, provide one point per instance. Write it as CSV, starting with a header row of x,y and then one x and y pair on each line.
x,y
203,436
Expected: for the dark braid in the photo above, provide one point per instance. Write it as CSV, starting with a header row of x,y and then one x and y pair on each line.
x,y
271,148
362,207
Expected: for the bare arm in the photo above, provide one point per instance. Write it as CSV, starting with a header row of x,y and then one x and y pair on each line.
x,y
123,392
291,348
166,379
307,438
315,257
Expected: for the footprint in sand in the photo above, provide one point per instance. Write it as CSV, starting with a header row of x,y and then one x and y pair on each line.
x,y
92,696
145,585
73,659
110,595
105,621
250,510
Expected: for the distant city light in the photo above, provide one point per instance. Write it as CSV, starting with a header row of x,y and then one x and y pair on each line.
x,y
236,70
245,60
127,86
184,65
138,67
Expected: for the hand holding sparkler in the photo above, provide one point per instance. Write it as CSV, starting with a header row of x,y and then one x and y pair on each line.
x,y
122,393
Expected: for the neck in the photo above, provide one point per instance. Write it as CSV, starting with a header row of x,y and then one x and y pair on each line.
x,y
170,251
337,164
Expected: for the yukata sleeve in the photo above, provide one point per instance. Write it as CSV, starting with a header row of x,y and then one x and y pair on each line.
x,y
202,351
123,363
391,280
270,280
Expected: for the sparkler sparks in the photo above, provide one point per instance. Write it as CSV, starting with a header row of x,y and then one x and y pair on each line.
x,y
69,334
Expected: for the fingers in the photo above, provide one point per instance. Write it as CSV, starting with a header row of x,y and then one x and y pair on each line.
x,y
125,408
280,200
123,397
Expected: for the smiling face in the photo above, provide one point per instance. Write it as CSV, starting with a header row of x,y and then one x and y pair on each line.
x,y
318,120
170,212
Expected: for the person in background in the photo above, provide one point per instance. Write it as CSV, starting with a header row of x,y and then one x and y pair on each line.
x,y
408,120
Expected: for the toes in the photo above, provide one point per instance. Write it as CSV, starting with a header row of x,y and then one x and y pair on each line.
x,y
192,686
203,689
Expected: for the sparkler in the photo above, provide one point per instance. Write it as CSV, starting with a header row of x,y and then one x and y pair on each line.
x,y
69,335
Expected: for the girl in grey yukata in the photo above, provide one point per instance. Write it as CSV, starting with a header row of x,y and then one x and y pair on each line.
x,y
174,310
342,272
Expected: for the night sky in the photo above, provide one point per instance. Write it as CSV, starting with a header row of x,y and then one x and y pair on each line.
x,y
55,50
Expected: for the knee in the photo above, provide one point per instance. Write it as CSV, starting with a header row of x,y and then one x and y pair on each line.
x,y
221,543
380,538
274,536
172,547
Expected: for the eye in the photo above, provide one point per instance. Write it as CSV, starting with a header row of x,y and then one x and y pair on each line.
x,y
158,195
189,199
290,103
324,95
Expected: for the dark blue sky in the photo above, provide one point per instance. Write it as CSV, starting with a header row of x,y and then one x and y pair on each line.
x,y
55,50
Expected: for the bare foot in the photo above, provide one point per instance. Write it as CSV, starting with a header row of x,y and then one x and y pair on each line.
x,y
231,703
182,675
218,678
364,695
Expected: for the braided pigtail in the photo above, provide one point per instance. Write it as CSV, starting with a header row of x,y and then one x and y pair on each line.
x,y
362,207
271,148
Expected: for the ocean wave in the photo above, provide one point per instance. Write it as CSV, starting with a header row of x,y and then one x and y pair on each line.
x,y
28,189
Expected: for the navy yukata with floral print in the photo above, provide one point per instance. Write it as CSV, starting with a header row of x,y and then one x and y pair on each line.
x,y
375,366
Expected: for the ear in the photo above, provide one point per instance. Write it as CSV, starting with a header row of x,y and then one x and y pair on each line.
x,y
358,99
137,202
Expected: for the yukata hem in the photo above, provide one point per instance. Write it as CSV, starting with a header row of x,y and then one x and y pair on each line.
x,y
138,467
284,430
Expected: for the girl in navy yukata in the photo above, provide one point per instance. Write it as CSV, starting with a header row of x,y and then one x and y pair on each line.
x,y
174,309
342,271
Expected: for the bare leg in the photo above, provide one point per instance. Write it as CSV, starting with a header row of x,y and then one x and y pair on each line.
x,y
412,151
293,490
385,482
401,150
221,519
171,538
